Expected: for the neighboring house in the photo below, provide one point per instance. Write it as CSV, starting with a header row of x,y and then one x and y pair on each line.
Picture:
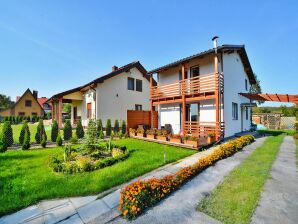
x,y
26,105
107,97
200,93
46,106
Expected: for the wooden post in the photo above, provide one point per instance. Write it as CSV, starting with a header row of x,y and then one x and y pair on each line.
x,y
183,118
151,102
217,97
60,113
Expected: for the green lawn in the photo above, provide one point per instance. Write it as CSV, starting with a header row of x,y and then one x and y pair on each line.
x,y
235,200
25,177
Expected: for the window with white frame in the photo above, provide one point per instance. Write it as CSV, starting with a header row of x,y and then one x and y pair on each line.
x,y
235,111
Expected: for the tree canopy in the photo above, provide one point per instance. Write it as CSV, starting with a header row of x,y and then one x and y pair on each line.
x,y
5,101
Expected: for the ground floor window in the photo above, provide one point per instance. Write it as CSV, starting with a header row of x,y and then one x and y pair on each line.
x,y
34,114
21,113
138,107
235,111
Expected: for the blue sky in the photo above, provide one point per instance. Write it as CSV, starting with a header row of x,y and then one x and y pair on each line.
x,y
52,46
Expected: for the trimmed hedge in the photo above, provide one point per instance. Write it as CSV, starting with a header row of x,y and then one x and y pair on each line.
x,y
108,127
54,131
67,130
140,195
79,130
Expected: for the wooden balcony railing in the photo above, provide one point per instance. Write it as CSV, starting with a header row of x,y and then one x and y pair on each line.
x,y
204,128
195,86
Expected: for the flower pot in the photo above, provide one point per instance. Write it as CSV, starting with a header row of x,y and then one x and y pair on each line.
x,y
193,143
131,134
162,138
150,136
210,139
175,140
140,135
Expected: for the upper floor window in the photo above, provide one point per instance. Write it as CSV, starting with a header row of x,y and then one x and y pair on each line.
x,y
28,103
195,71
46,106
130,83
235,111
139,86
246,85
138,107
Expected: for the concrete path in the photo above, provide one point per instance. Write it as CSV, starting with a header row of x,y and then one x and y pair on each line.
x,y
279,200
92,209
180,207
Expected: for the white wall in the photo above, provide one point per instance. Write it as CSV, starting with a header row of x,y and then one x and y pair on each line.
x,y
207,111
234,83
111,106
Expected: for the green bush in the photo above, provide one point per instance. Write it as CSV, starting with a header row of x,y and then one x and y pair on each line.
x,y
28,118
25,128
26,140
39,132
101,134
59,139
123,127
3,147
108,127
116,126
79,130
7,134
67,130
99,126
73,140
43,140
91,143
54,131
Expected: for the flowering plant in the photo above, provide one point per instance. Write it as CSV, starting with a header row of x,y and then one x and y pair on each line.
x,y
162,133
140,130
175,136
131,130
150,132
140,195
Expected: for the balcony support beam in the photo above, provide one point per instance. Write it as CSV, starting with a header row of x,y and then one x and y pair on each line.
x,y
217,134
183,118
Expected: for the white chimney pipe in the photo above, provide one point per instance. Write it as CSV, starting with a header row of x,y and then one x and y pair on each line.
x,y
215,45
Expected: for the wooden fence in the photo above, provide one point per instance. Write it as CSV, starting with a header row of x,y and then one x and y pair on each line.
x,y
141,117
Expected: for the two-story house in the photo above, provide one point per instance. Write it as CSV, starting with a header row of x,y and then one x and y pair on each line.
x,y
107,97
200,93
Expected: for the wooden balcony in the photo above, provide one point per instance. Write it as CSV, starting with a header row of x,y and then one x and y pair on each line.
x,y
197,88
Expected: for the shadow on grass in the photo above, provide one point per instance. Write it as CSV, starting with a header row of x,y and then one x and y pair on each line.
x,y
276,132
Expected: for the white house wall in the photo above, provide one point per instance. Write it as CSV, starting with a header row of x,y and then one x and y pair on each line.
x,y
170,114
234,83
114,99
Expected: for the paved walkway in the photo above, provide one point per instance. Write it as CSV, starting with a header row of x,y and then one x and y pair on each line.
x,y
97,209
279,200
180,207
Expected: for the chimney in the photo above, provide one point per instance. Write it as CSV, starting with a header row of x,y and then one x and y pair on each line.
x,y
114,68
215,44
35,94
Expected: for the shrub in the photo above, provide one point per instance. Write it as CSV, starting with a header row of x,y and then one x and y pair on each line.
x,y
7,134
123,127
150,132
54,131
59,140
296,126
101,134
3,147
132,130
142,194
108,127
74,140
162,133
79,130
84,164
99,126
40,131
116,126
191,137
67,130
90,142
43,140
140,130
26,140
22,133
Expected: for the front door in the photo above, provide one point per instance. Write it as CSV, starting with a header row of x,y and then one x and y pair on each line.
x,y
75,114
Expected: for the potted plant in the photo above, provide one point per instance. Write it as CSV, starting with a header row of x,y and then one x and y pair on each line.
x,y
162,135
140,132
175,138
150,133
211,137
132,132
192,140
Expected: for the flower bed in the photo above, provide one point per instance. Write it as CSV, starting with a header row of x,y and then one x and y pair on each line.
x,y
77,161
140,195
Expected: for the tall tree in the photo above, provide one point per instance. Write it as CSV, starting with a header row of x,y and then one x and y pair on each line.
x,y
256,88
5,102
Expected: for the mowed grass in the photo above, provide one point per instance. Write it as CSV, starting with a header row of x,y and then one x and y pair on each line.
x,y
16,129
235,200
25,177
